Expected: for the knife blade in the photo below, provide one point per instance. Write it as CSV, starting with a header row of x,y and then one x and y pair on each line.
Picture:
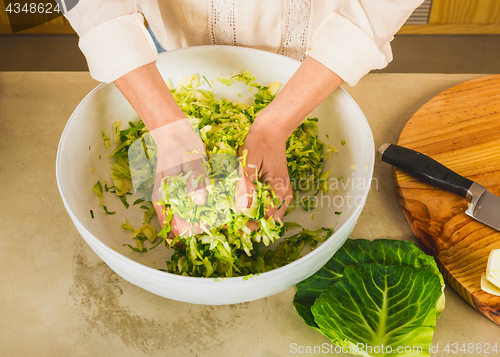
x,y
484,206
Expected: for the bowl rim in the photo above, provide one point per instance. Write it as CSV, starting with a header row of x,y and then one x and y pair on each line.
x,y
269,274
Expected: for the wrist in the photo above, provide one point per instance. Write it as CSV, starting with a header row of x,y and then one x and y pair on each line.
x,y
274,126
150,97
176,133
159,119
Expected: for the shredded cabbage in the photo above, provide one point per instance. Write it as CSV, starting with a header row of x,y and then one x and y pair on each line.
x,y
229,248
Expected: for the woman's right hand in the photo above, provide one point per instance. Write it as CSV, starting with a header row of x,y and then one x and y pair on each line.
x,y
147,92
180,150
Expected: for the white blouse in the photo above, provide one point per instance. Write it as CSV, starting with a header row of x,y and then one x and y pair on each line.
x,y
351,37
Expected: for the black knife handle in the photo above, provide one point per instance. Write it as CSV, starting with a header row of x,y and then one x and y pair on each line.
x,y
424,167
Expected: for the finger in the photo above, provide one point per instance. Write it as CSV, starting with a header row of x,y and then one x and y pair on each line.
x,y
281,212
196,181
159,212
177,225
184,228
282,188
252,225
156,196
246,187
244,192
171,237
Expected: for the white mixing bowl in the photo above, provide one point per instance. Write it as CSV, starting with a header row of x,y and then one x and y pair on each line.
x,y
81,146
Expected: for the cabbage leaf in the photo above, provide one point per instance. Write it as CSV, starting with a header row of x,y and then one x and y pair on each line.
x,y
374,293
378,305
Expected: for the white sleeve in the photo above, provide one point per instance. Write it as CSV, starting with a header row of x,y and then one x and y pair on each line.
x,y
113,37
355,37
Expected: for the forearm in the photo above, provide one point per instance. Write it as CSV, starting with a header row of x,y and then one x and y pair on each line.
x,y
149,95
311,84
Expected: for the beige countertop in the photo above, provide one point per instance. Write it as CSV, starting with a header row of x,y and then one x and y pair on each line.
x,y
57,298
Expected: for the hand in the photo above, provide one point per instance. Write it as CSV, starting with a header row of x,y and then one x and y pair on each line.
x,y
266,145
180,150
146,91
266,141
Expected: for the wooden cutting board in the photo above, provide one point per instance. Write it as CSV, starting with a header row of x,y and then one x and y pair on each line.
x,y
460,128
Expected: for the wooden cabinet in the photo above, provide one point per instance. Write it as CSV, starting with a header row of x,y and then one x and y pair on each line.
x,y
458,17
58,25
433,17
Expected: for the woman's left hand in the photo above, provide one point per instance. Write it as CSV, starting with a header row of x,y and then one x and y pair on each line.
x,y
266,146
266,141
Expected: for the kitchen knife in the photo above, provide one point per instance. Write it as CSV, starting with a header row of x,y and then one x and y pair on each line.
x,y
483,205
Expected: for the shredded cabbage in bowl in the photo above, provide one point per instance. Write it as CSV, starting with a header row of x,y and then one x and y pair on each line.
x,y
230,248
